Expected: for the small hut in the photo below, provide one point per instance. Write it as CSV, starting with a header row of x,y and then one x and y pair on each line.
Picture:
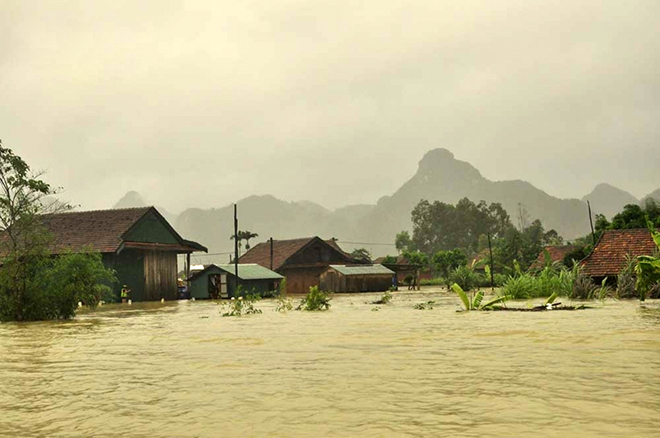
x,y
556,254
219,281
356,278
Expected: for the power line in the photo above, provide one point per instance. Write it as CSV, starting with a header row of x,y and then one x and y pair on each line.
x,y
366,243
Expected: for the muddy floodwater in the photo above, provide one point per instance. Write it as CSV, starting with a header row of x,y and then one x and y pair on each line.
x,y
181,370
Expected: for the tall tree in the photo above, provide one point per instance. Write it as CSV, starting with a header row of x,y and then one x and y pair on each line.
x,y
447,261
420,261
439,226
33,285
403,242
361,254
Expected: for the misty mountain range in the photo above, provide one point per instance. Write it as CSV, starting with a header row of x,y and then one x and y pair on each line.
x,y
439,177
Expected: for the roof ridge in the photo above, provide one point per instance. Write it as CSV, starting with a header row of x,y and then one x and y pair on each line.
x,y
101,210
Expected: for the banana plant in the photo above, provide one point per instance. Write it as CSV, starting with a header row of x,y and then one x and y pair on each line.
x,y
475,303
648,267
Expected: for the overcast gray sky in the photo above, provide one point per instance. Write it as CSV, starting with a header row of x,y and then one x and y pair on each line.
x,y
200,103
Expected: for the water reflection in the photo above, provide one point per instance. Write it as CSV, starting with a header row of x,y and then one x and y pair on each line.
x,y
181,370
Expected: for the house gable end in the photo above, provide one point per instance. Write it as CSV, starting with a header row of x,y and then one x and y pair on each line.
x,y
317,251
152,228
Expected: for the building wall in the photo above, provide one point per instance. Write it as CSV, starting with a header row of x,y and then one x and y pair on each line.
x,y
129,268
160,275
318,252
199,286
152,230
299,280
333,281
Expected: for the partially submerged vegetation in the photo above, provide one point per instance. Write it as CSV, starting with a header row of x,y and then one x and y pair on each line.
x,y
36,285
476,302
385,299
315,300
648,267
241,306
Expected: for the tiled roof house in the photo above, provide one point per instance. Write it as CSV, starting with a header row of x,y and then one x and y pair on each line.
x,y
138,243
608,257
301,261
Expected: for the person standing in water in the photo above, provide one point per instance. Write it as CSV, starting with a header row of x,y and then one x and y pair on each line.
x,y
125,291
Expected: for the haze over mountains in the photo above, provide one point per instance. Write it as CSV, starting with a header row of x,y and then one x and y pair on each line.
x,y
439,177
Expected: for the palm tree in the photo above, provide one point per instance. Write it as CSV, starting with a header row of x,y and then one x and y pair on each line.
x,y
244,235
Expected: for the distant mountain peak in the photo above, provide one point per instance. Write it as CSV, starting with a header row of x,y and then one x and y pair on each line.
x,y
441,164
655,195
131,199
609,200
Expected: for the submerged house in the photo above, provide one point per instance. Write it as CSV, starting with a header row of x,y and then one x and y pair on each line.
x,y
138,243
403,269
219,281
301,261
556,254
356,278
613,249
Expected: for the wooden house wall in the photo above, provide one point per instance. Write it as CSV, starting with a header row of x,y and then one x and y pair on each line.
x,y
318,252
299,280
160,275
129,268
150,229
333,281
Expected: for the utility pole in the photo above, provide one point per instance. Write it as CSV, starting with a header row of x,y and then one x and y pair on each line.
x,y
593,234
271,253
492,266
236,243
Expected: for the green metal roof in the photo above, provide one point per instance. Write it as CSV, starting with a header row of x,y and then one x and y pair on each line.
x,y
250,271
362,269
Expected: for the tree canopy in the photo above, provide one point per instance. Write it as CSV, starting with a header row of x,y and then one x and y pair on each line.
x,y
439,226
34,285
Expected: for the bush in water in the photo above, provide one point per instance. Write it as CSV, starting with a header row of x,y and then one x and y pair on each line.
x,y
315,300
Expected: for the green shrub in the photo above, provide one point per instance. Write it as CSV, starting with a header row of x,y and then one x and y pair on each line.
x,y
465,277
315,300
385,299
283,305
625,284
520,287
53,286
241,306
584,287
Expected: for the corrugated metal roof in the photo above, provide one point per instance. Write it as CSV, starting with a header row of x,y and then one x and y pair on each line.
x,y
251,271
362,269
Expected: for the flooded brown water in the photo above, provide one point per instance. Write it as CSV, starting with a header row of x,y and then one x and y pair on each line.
x,y
181,370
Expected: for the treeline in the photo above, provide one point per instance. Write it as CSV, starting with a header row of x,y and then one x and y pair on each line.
x,y
632,216
453,238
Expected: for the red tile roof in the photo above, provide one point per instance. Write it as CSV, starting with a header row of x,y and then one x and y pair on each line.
x,y
557,254
399,260
609,255
99,230
282,251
